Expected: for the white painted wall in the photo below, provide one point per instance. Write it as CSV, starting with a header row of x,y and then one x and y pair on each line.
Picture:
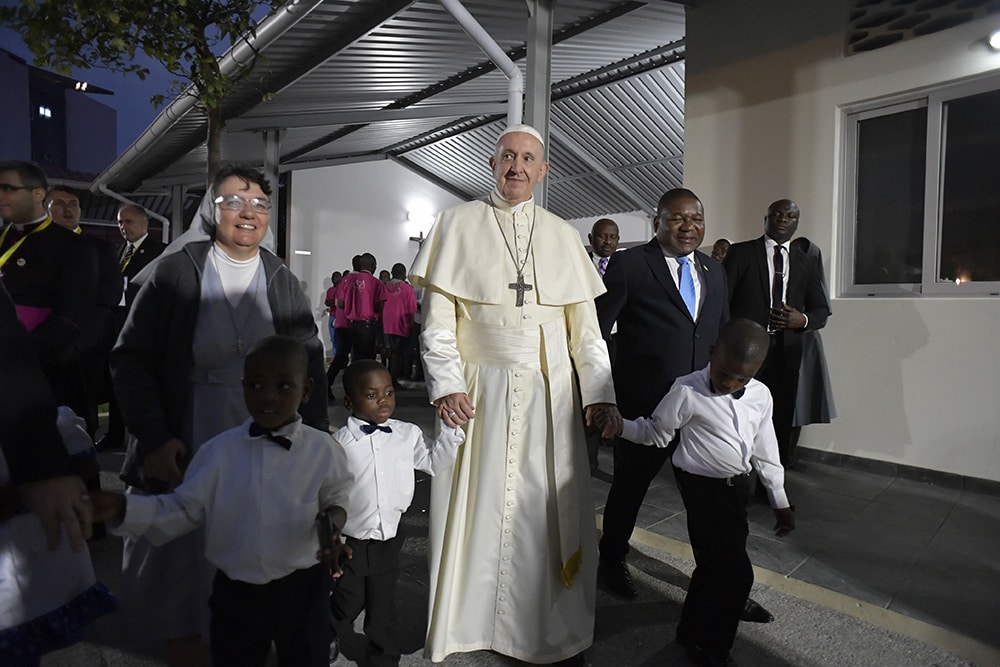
x,y
917,380
634,227
339,212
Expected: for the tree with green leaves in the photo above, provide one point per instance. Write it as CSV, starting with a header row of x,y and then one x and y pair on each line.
x,y
185,36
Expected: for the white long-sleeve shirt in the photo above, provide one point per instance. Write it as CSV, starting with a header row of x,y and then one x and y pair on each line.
x,y
382,465
720,435
257,501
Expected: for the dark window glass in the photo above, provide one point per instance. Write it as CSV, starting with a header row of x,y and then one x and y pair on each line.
x,y
892,151
970,212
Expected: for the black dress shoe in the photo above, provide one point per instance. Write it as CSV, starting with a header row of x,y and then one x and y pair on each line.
x,y
754,613
617,579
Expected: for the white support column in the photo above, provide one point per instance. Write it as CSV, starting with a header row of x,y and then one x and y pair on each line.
x,y
177,193
272,160
539,76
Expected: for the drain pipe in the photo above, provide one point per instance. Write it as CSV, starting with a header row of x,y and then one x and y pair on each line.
x,y
105,190
235,59
515,86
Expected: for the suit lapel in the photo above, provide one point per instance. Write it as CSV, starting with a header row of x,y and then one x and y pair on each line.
x,y
708,293
796,279
763,270
658,265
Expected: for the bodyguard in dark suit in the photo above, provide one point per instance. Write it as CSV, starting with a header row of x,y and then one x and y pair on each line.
x,y
133,223
134,254
781,288
50,274
98,331
660,338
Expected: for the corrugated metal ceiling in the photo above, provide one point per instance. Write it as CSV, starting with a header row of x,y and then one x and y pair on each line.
x,y
617,114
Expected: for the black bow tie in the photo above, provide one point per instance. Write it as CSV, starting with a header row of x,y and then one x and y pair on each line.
x,y
368,429
256,430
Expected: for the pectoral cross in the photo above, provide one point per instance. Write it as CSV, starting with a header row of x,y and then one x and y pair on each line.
x,y
520,287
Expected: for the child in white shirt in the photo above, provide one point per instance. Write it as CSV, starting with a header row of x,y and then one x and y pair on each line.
x,y
258,490
382,454
723,418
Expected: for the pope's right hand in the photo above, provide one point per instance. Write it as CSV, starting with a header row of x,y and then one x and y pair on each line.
x,y
455,409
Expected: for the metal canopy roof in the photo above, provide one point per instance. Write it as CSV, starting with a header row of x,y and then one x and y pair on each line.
x,y
358,80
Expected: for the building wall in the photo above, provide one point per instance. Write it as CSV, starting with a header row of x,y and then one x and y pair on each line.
x,y
15,130
917,379
352,209
91,133
633,228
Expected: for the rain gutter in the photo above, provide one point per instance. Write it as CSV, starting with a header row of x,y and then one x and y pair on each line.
x,y
236,58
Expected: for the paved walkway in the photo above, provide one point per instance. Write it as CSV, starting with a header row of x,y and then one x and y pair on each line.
x,y
833,613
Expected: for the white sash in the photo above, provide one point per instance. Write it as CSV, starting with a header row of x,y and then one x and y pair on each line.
x,y
545,349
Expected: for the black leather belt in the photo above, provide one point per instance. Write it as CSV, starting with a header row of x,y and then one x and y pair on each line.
x,y
736,479
728,481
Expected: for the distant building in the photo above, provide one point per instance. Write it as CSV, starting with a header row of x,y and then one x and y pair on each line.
x,y
55,121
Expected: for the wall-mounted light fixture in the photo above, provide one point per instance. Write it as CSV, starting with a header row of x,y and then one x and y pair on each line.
x,y
994,40
420,217
418,222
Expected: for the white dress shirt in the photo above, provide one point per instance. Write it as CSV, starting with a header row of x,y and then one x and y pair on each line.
x,y
720,435
769,245
382,465
257,501
121,256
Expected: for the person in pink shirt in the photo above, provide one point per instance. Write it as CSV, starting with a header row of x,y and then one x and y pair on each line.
x,y
381,339
361,295
331,304
397,319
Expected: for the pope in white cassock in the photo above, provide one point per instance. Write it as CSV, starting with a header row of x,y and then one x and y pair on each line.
x,y
508,315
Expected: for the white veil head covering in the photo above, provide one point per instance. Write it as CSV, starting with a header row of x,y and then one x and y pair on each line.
x,y
202,229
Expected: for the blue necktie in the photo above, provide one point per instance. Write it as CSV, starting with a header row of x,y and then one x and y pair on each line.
x,y
687,286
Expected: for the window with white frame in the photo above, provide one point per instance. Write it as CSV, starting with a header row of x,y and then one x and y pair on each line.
x,y
922,196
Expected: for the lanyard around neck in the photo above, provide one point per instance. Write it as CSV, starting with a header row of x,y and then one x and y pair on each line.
x,y
17,244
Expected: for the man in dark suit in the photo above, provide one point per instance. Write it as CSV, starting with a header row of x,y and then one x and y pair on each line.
x,y
137,250
669,301
50,274
98,334
781,288
603,239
